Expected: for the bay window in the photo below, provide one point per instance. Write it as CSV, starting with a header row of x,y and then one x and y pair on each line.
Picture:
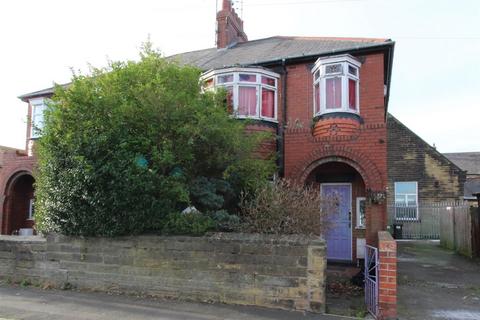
x,y
251,92
336,85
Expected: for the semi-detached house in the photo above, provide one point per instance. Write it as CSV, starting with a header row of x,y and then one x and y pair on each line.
x,y
325,99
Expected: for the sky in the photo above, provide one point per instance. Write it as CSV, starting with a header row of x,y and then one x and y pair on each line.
x,y
436,72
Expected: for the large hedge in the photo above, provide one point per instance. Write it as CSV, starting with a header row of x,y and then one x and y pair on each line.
x,y
125,147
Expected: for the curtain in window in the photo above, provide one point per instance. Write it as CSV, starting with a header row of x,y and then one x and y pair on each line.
x,y
317,98
352,94
268,103
333,93
247,101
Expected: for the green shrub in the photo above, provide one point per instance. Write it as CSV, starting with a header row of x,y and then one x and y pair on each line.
x,y
194,223
122,147
225,221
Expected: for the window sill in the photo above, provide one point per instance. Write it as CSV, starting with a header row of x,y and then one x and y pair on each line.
x,y
255,118
360,228
338,114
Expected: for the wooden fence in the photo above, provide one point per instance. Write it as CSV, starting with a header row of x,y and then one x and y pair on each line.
x,y
460,229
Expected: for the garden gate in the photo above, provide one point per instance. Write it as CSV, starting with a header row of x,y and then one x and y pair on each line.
x,y
371,280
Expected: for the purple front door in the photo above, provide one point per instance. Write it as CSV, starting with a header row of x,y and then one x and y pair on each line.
x,y
339,235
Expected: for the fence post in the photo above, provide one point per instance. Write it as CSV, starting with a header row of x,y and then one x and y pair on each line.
x,y
387,254
475,222
454,225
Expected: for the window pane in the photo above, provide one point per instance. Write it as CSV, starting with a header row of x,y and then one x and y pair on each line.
x,y
268,103
333,68
405,188
352,70
208,83
225,78
268,81
361,213
317,97
37,119
411,200
400,200
352,94
333,93
247,101
248,78
229,99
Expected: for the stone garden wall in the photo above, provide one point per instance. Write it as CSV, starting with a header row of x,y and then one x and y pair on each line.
x,y
285,272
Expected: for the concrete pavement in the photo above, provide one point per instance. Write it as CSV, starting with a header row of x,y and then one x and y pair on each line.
x,y
36,304
434,283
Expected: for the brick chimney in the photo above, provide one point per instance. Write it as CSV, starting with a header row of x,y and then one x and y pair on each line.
x,y
229,26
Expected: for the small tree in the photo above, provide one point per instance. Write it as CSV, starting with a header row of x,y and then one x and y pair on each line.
x,y
284,207
122,145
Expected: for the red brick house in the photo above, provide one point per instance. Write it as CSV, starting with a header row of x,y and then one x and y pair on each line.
x,y
325,98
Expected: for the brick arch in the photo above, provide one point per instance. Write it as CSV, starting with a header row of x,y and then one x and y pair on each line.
x,y
371,176
6,197
14,177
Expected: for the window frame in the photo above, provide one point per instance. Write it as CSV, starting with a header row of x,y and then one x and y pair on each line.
x,y
358,223
319,76
416,218
31,209
236,83
35,131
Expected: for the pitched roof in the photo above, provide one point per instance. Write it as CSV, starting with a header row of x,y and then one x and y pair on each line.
x,y
268,50
441,156
469,161
263,51
40,93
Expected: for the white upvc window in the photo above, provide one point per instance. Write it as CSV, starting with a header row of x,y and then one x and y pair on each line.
x,y
36,124
251,92
406,200
336,85
31,209
361,202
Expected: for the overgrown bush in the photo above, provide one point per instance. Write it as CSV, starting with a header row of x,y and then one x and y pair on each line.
x,y
283,207
225,221
193,223
124,147
211,194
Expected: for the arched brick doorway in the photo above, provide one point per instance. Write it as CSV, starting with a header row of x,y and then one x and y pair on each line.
x,y
343,181
18,203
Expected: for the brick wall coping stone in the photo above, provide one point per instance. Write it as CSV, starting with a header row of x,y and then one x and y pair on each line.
x,y
22,238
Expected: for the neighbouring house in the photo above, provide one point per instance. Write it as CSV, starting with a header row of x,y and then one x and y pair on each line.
x,y
16,191
469,162
420,181
326,100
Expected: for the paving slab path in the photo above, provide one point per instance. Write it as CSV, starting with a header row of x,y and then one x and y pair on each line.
x,y
435,283
32,303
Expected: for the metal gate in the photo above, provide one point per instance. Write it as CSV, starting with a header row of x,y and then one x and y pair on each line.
x,y
371,280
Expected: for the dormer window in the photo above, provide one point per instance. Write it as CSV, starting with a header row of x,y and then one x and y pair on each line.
x,y
336,85
38,108
251,92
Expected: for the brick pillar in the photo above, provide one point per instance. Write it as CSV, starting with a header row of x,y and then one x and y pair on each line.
x,y
387,252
